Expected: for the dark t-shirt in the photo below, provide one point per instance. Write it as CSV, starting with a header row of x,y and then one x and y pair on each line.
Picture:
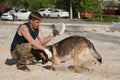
x,y
20,39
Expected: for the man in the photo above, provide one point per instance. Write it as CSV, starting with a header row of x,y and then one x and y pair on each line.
x,y
12,12
25,40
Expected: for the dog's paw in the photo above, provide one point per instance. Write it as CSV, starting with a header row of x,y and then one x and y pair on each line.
x,y
53,68
80,70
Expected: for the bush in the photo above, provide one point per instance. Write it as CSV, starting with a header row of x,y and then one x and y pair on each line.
x,y
110,18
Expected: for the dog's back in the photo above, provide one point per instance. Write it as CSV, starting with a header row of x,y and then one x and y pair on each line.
x,y
75,44
65,46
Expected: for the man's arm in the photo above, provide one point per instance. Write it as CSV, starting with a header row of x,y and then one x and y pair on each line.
x,y
25,33
43,39
23,30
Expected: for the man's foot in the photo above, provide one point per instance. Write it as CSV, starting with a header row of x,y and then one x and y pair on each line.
x,y
23,67
10,62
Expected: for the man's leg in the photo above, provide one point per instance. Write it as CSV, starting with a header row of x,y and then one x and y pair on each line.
x,y
23,54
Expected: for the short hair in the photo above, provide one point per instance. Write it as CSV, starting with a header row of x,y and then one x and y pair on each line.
x,y
35,16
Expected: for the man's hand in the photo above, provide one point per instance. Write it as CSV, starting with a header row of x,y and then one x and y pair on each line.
x,y
48,53
54,31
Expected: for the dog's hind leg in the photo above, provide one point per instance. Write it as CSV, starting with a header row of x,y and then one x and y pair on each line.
x,y
78,64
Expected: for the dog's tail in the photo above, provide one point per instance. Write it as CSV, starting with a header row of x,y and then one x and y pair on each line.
x,y
95,54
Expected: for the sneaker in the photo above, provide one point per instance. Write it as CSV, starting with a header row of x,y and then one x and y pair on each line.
x,y
23,68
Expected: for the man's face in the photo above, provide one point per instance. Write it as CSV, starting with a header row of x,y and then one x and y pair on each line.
x,y
35,23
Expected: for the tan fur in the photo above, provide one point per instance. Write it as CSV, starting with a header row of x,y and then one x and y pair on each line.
x,y
70,48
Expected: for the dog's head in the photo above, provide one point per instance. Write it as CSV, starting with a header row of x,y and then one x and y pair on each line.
x,y
44,56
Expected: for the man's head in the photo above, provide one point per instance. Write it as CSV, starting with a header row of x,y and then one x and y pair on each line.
x,y
35,19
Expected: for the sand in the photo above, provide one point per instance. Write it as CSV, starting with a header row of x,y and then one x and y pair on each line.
x,y
106,43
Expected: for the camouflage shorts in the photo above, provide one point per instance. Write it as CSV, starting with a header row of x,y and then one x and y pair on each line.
x,y
25,53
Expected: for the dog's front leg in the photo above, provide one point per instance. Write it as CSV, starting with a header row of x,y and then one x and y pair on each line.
x,y
54,63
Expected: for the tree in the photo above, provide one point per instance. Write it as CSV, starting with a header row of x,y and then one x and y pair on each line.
x,y
63,4
76,6
36,5
91,6
47,3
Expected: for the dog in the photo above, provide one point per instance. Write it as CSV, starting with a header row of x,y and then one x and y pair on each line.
x,y
70,48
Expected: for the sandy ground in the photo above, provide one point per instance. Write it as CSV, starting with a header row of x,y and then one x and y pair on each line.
x,y
106,43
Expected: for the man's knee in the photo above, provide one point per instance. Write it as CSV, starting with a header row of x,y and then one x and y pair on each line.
x,y
23,49
25,46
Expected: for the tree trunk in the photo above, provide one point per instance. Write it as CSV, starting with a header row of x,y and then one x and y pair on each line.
x,y
78,15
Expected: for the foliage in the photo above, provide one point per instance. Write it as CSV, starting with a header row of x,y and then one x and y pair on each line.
x,y
63,4
112,18
78,5
86,6
27,4
47,3
36,5
91,6
108,18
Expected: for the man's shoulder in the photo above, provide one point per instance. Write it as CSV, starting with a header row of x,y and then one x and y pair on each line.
x,y
24,24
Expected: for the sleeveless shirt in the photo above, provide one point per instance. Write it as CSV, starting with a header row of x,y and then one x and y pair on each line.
x,y
18,39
